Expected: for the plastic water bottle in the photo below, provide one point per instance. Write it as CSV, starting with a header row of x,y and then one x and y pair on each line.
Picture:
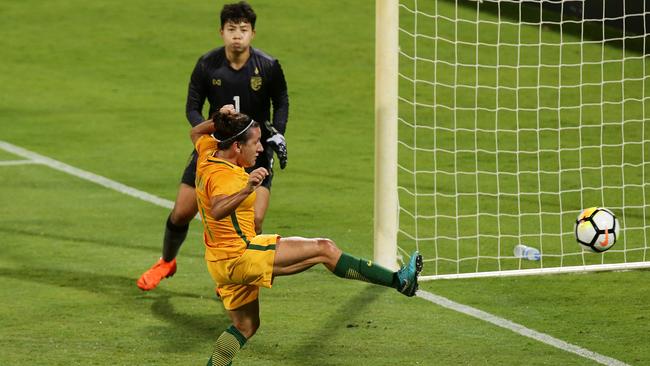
x,y
526,252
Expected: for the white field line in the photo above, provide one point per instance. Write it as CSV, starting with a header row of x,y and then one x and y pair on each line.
x,y
98,179
438,300
519,329
16,162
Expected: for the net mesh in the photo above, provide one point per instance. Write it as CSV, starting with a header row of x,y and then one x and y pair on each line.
x,y
513,118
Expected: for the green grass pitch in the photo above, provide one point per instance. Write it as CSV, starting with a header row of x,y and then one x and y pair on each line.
x,y
101,86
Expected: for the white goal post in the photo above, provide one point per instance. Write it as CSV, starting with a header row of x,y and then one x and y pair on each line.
x,y
386,71
497,122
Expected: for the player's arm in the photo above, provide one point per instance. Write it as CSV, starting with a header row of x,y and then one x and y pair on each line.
x,y
280,101
224,205
203,128
196,94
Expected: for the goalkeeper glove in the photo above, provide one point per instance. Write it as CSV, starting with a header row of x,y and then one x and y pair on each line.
x,y
277,143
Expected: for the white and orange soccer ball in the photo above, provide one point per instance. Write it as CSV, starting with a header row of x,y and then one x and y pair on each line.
x,y
597,229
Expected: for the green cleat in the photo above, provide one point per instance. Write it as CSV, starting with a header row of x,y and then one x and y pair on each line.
x,y
408,275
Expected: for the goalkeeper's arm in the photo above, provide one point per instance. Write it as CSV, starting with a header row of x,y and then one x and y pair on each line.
x,y
196,95
280,100
277,143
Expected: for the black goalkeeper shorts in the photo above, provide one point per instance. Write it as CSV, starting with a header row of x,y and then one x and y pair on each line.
x,y
189,175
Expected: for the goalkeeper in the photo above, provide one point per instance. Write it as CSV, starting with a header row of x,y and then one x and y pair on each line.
x,y
239,261
251,80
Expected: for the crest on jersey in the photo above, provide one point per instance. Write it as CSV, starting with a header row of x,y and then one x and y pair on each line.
x,y
216,82
256,82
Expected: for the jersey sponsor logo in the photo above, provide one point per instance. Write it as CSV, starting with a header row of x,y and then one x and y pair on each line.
x,y
256,82
216,82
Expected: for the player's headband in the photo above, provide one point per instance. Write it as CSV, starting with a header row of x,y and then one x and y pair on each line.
x,y
232,138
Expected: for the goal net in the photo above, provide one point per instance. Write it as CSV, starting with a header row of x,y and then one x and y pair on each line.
x,y
512,117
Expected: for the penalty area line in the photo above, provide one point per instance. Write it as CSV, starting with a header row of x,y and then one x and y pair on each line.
x,y
519,329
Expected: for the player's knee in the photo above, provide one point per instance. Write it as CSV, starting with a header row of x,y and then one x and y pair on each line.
x,y
328,248
185,207
180,218
259,221
182,214
247,327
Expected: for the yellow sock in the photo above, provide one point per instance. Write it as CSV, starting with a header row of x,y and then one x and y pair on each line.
x,y
226,347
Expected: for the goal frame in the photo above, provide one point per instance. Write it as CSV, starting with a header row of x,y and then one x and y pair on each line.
x,y
386,205
386,94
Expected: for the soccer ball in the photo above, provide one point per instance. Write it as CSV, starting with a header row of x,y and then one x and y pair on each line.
x,y
597,229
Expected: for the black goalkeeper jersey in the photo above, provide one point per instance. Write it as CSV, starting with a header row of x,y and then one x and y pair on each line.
x,y
252,88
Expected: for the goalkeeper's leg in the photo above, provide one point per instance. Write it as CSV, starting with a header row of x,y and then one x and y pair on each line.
x,y
294,255
176,228
185,209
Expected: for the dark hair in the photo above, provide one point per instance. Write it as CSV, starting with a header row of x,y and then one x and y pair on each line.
x,y
237,13
231,128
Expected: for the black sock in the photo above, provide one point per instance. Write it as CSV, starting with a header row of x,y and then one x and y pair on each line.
x,y
174,237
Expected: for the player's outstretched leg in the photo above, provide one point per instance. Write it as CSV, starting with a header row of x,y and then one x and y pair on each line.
x,y
296,254
404,280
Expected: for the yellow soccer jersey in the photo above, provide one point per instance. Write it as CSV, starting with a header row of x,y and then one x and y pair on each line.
x,y
228,237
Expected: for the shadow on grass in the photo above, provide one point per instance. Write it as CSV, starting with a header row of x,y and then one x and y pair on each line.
x,y
314,349
101,242
595,26
183,332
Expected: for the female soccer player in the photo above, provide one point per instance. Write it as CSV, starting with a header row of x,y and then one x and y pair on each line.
x,y
239,261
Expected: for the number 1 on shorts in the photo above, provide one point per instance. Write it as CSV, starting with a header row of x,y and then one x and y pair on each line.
x,y
236,99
